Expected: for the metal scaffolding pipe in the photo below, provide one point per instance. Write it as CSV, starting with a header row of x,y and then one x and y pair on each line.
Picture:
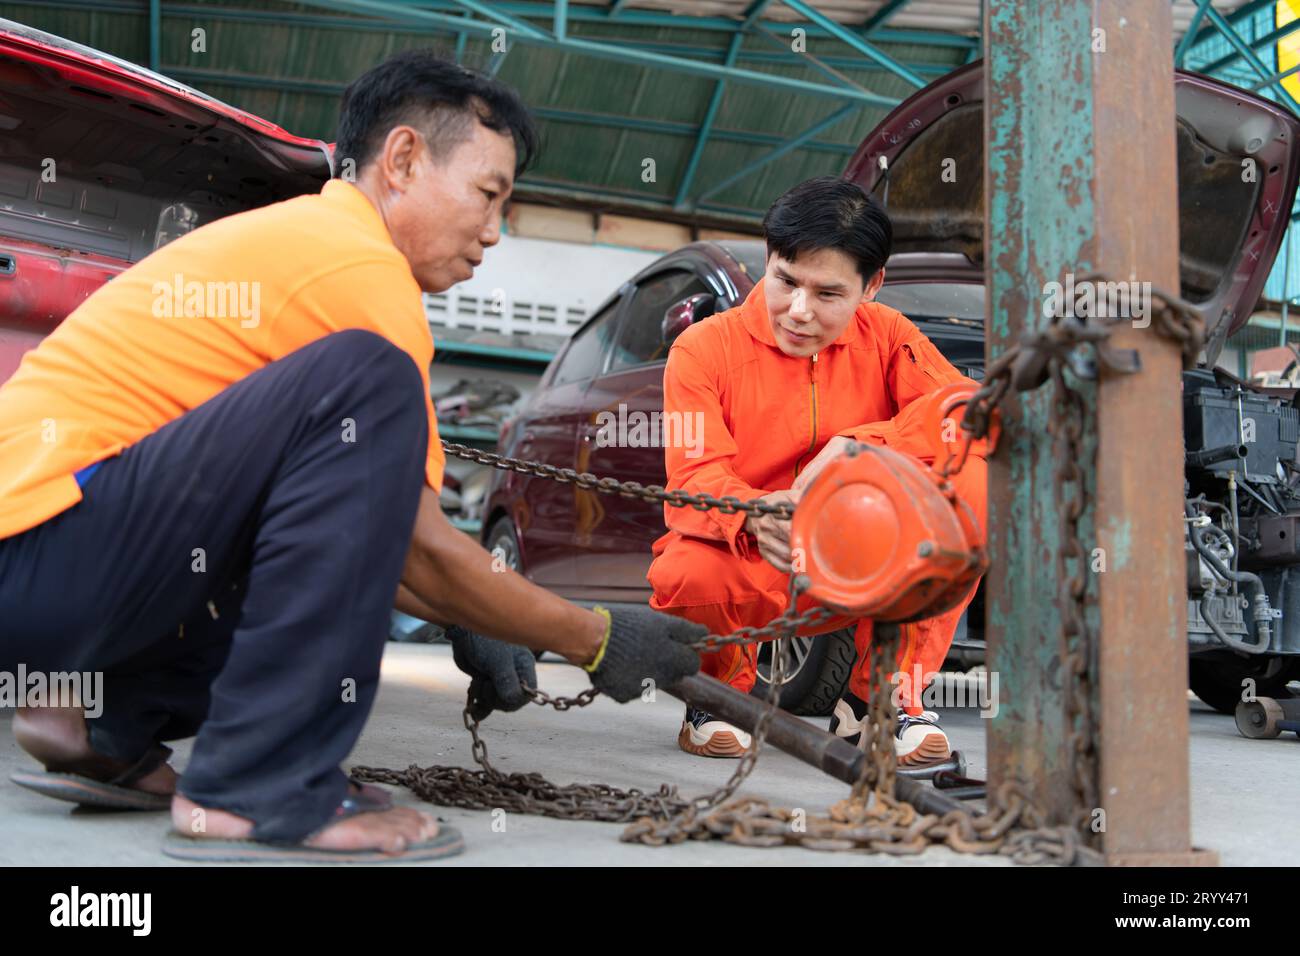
x,y
801,740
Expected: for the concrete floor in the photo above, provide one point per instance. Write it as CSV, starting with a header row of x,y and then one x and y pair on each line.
x,y
1243,791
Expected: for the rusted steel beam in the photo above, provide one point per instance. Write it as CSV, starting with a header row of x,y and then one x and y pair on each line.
x,y
800,739
1080,176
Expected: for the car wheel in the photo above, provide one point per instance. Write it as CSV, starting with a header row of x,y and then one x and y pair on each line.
x,y
1218,680
503,540
816,676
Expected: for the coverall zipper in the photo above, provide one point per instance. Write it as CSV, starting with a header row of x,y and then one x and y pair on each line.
x,y
812,386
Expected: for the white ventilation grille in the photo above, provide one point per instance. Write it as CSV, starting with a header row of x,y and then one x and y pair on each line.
x,y
496,313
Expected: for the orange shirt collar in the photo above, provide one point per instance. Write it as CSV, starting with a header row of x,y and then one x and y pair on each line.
x,y
354,201
753,314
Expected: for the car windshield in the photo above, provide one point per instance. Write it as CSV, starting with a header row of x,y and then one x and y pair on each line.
x,y
958,303
751,256
951,314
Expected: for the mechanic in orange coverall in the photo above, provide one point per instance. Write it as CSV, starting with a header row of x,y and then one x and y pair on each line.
x,y
784,382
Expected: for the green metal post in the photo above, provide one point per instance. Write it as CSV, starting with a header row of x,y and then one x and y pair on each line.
x,y
1286,289
155,35
1066,193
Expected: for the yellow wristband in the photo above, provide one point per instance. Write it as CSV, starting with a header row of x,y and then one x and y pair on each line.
x,y
600,654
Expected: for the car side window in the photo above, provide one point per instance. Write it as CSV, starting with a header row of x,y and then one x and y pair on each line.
x,y
641,338
583,358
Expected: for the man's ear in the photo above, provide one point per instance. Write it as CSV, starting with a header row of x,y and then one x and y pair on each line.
x,y
400,155
873,286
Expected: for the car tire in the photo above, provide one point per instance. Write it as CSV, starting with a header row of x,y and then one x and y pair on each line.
x,y
502,535
820,677
1218,680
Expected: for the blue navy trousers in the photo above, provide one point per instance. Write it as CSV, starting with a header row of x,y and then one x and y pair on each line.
x,y
232,574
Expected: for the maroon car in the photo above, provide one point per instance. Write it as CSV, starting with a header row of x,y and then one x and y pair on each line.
x,y
589,546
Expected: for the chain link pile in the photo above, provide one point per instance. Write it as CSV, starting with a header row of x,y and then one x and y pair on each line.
x,y
871,818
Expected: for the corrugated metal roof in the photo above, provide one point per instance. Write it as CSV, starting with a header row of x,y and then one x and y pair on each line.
x,y
601,121
950,16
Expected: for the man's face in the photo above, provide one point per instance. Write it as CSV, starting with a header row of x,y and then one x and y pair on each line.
x,y
810,302
443,215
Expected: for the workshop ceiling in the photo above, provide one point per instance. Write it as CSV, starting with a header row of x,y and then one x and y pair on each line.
x,y
695,110
951,16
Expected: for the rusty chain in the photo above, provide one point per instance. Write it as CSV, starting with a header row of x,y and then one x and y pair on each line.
x,y
871,818
531,793
655,494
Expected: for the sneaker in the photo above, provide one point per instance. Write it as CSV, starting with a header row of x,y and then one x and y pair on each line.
x,y
705,737
849,718
918,741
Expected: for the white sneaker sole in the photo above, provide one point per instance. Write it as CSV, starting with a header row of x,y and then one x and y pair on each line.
x,y
931,748
731,742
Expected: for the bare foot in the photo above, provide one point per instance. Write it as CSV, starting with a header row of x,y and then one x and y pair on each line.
x,y
389,831
58,738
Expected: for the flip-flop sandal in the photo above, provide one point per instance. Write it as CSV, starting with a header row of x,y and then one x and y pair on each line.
x,y
447,842
114,794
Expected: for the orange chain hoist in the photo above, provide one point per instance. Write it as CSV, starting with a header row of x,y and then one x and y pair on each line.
x,y
886,537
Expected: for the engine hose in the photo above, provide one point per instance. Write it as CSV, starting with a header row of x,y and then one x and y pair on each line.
x,y
1262,613
1218,631
1212,456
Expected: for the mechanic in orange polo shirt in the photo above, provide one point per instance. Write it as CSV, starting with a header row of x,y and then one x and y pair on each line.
x,y
807,364
221,471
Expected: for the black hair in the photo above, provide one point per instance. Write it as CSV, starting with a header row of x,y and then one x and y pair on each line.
x,y
441,99
830,213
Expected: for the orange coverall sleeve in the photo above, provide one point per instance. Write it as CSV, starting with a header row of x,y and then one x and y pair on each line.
x,y
691,387
915,368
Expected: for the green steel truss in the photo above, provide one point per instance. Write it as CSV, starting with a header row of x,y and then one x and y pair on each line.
x,y
748,52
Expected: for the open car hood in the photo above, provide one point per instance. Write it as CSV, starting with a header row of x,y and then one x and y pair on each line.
x,y
41,67
102,162
1229,232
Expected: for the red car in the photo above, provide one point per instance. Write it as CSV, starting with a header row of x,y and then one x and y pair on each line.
x,y
590,546
104,162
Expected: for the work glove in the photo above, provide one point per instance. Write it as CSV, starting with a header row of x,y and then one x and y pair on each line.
x,y
639,644
498,671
